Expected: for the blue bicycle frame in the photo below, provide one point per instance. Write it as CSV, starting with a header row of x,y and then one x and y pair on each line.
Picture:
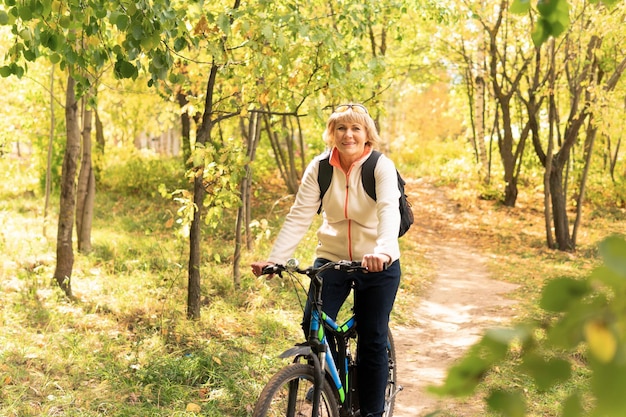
x,y
317,347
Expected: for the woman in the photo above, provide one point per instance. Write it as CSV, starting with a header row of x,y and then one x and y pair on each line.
x,y
354,227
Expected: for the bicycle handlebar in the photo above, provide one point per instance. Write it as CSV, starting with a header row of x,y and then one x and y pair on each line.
x,y
292,266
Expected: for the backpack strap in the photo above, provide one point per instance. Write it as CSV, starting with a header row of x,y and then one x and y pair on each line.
x,y
324,175
367,174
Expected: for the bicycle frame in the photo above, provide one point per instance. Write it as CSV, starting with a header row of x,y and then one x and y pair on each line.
x,y
317,347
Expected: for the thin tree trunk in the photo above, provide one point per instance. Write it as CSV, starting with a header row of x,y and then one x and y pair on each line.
x,y
49,158
65,252
100,145
589,145
559,208
255,135
243,214
86,188
185,122
204,134
549,156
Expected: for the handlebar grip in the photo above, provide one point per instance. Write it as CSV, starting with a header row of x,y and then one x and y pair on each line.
x,y
270,269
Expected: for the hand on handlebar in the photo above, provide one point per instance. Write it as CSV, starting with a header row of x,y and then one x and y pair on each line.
x,y
257,268
376,262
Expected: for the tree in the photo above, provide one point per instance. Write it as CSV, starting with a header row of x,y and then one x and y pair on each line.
x,y
528,83
502,64
585,71
78,36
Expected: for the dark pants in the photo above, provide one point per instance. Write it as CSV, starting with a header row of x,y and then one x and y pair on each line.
x,y
374,295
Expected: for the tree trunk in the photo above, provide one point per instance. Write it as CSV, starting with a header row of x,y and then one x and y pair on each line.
x,y
185,122
194,291
204,135
65,252
589,145
100,144
508,157
559,207
243,213
284,150
86,188
479,112
49,157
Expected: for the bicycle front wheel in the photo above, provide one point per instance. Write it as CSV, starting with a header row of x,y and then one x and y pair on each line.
x,y
289,393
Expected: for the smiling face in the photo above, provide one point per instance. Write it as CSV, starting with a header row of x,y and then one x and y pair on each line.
x,y
348,130
350,139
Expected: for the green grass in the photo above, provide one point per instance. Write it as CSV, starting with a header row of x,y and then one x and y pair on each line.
x,y
125,348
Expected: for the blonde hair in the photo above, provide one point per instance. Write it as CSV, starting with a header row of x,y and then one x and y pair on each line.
x,y
350,116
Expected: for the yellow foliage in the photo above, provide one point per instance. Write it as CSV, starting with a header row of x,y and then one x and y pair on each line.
x,y
601,341
193,408
202,26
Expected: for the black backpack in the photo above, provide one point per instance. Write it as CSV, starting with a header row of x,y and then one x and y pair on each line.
x,y
325,174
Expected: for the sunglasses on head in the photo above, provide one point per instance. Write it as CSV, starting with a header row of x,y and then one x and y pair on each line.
x,y
359,108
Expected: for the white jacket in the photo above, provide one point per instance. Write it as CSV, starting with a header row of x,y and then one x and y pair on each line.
x,y
353,223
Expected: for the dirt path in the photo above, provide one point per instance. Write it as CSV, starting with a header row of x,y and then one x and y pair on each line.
x,y
462,301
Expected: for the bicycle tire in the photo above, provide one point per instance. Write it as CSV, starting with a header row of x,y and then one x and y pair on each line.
x,y
285,395
392,382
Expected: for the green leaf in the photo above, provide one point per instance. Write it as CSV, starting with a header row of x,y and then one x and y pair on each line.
x,y
509,404
17,70
547,7
30,55
572,406
26,35
607,383
124,69
180,44
5,71
520,6
148,43
494,345
539,34
136,31
463,377
268,31
223,22
4,17
560,293
613,253
507,335
65,22
25,13
608,276
100,12
51,41
71,57
546,373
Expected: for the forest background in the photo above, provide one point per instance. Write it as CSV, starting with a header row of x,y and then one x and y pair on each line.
x,y
173,135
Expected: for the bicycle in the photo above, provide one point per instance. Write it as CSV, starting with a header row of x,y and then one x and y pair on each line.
x,y
314,384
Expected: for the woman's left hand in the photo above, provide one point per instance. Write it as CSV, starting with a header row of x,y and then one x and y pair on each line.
x,y
375,262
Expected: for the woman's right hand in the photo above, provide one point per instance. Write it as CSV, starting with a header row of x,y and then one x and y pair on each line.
x,y
257,268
